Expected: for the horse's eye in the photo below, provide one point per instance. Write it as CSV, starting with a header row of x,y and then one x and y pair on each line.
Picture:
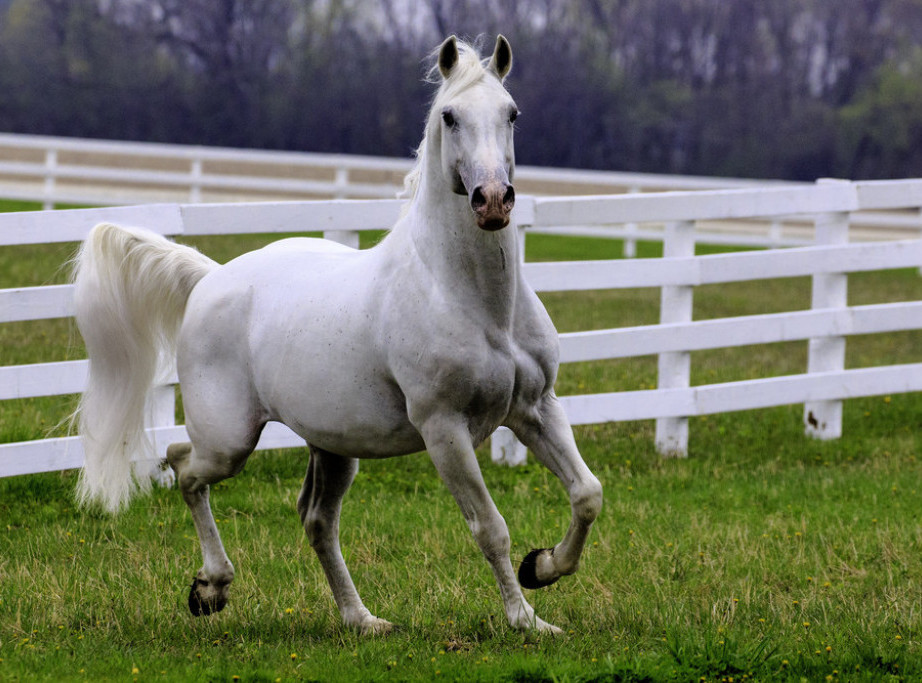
x,y
449,118
513,115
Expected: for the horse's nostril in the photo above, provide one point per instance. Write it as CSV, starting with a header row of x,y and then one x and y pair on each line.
x,y
478,200
509,197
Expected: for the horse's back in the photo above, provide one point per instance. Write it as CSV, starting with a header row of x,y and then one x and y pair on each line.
x,y
313,245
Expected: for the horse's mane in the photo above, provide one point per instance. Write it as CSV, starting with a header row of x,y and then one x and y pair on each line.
x,y
469,70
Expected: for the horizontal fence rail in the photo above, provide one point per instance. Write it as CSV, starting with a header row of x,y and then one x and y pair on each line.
x,y
73,170
821,388
56,170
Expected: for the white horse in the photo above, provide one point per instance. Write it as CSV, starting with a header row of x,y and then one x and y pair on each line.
x,y
430,340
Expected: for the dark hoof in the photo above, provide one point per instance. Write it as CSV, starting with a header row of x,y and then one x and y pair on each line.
x,y
528,576
200,606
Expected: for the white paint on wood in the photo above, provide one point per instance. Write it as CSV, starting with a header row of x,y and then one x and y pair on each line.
x,y
829,321
823,419
674,367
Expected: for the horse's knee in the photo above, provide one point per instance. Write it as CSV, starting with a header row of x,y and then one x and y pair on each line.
x,y
586,499
196,469
492,536
177,454
317,523
316,528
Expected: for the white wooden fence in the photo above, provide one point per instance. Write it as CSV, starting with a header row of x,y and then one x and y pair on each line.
x,y
56,170
821,388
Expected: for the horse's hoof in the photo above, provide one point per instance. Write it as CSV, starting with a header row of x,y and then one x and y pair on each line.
x,y
528,570
376,627
200,605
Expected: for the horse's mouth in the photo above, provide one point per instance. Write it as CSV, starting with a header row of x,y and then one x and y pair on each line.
x,y
492,223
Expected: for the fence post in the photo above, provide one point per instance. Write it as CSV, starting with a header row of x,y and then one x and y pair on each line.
x,y
51,166
341,183
505,449
348,237
823,419
630,242
775,233
162,414
195,184
674,367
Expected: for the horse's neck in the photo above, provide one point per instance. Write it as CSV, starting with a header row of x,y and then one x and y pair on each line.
x,y
473,264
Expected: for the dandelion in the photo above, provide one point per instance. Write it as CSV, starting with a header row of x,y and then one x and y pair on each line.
x,y
135,671
294,656
289,610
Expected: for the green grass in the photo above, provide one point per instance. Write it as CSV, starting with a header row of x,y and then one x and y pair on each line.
x,y
763,556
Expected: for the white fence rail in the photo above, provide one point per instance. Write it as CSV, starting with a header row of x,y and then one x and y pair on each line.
x,y
56,170
821,388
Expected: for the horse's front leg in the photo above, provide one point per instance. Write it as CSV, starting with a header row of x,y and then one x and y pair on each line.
x,y
547,432
449,445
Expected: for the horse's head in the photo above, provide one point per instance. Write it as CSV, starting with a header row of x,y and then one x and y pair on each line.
x,y
476,117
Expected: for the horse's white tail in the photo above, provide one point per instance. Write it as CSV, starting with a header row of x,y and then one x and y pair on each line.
x,y
131,288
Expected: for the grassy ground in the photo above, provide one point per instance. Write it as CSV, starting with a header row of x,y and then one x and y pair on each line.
x,y
763,556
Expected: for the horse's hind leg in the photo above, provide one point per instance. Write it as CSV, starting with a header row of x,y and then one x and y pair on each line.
x,y
551,439
195,472
328,478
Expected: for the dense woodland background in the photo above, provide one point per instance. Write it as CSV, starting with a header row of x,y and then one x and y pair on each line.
x,y
792,89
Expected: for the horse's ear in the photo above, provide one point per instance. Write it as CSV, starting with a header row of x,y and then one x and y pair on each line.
x,y
501,62
448,56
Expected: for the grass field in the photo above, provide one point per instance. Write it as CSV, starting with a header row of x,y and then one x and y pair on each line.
x,y
763,556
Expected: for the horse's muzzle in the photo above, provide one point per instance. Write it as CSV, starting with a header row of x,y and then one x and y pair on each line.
x,y
492,203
